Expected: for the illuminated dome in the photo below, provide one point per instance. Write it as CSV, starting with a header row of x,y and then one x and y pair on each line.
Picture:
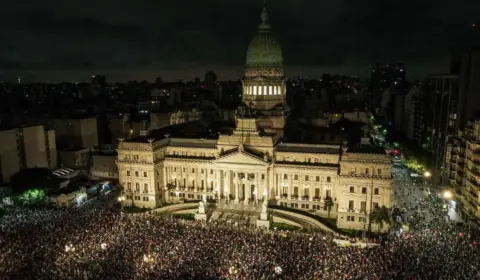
x,y
264,49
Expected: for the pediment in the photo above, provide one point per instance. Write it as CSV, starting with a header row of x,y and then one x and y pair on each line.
x,y
241,158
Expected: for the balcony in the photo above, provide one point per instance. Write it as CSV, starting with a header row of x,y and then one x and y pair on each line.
x,y
191,189
316,198
294,197
182,188
305,198
284,196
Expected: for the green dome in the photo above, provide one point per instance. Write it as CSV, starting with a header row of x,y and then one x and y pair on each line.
x,y
264,50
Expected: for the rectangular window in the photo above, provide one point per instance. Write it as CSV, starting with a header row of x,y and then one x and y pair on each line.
x,y
375,205
306,178
350,205
296,177
129,186
128,172
145,187
317,192
295,191
352,189
144,174
363,206
136,173
375,191
367,171
317,178
285,176
137,187
364,190
379,171
263,176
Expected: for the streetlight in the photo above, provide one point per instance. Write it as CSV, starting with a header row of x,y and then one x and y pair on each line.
x,y
121,199
426,175
447,194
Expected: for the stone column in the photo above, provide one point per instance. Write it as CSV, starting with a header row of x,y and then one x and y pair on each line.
x,y
257,186
237,188
270,182
229,181
290,187
246,189
218,183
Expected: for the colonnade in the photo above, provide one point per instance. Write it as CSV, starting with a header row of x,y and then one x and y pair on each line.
x,y
263,90
228,183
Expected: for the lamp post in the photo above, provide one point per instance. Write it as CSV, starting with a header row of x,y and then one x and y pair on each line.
x,y
426,175
121,199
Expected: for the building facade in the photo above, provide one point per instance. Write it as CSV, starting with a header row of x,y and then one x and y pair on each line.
x,y
250,163
27,147
464,173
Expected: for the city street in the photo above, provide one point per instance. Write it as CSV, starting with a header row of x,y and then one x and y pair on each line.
x,y
418,206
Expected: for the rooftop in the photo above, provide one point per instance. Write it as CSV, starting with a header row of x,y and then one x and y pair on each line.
x,y
306,148
188,130
366,149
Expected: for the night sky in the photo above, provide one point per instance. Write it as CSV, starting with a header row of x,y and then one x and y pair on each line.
x,y
124,39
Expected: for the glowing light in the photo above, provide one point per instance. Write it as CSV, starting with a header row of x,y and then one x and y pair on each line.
x,y
427,174
447,194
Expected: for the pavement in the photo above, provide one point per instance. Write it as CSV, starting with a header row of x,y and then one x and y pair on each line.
x,y
408,194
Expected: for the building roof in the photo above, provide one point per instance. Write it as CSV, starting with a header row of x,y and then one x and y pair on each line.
x,y
264,49
306,148
190,143
188,130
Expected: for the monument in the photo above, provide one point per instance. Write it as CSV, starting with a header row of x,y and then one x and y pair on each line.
x,y
201,214
264,221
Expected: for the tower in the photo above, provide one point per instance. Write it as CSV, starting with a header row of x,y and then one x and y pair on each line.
x,y
264,88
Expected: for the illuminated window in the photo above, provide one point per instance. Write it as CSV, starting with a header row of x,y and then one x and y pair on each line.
x,y
270,89
255,90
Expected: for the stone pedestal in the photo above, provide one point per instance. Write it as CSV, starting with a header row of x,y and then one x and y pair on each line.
x,y
263,223
245,201
201,215
263,216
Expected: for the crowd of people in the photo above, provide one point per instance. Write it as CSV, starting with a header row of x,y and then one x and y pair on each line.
x,y
99,243
104,244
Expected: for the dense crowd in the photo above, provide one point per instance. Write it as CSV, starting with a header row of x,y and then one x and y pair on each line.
x,y
95,243
102,244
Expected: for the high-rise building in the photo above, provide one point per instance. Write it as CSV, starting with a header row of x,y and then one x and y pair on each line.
x,y
469,95
247,165
385,76
27,147
413,125
441,115
464,172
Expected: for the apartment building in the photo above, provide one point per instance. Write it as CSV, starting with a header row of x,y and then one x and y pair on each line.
x,y
26,147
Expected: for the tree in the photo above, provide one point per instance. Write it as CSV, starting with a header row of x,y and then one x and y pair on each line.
x,y
329,204
33,197
380,216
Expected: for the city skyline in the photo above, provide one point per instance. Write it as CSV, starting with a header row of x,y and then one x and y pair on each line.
x,y
137,42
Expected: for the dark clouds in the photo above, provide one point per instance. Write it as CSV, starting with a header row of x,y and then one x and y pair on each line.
x,y
159,38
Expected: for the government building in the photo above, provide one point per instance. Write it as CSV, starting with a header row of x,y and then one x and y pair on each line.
x,y
253,161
